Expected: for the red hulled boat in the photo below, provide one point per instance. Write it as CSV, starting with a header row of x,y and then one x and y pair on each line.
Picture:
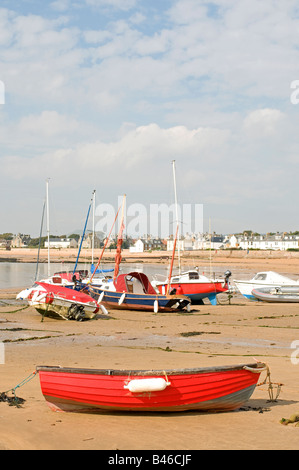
x,y
204,389
58,301
195,286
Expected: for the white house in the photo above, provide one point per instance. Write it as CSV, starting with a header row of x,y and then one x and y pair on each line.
x,y
200,242
180,244
61,243
138,247
279,241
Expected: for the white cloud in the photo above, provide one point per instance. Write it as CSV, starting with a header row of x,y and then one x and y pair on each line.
x,y
207,84
145,145
118,4
263,122
48,124
60,5
194,56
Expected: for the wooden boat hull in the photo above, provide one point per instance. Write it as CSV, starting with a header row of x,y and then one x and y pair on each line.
x,y
206,389
131,301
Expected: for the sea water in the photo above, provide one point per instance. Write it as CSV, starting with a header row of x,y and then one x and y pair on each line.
x,y
20,275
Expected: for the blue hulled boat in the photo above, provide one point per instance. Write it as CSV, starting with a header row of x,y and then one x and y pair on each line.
x,y
134,291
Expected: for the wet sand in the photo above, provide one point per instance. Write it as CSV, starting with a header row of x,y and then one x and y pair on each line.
x,y
207,336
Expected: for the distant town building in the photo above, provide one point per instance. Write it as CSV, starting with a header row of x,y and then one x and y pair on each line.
x,y
148,244
199,242
188,242
61,243
278,241
20,241
87,242
138,247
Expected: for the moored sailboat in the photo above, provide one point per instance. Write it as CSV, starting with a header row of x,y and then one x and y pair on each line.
x,y
196,286
133,291
57,295
190,283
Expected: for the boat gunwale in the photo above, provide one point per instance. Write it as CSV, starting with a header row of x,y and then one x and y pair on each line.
x,y
259,366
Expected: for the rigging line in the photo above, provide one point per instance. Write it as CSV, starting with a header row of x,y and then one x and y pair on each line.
x,y
104,247
82,239
40,238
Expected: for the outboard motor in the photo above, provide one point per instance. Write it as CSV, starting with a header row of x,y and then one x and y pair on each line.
x,y
227,275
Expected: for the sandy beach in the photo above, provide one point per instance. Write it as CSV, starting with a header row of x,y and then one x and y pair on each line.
x,y
207,336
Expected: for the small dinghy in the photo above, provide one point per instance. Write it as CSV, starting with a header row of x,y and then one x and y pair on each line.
x,y
204,389
277,294
265,279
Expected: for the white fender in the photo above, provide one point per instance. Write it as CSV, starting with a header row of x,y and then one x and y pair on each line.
x,y
41,296
147,385
101,296
188,308
104,310
122,298
156,306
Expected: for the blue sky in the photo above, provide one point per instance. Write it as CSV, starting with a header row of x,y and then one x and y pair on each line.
x,y
104,94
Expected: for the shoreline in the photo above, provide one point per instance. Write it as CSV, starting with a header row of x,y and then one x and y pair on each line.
x,y
70,254
281,261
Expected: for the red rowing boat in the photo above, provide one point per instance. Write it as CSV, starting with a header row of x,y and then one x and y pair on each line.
x,y
205,389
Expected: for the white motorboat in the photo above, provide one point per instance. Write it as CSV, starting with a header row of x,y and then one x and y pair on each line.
x,y
261,280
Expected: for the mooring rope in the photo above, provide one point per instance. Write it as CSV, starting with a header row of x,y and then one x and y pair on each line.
x,y
17,401
270,385
18,310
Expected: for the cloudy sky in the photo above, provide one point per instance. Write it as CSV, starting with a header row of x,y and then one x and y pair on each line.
x,y
104,94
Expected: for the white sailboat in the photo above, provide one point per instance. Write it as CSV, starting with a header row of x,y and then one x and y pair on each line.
x,y
190,283
57,297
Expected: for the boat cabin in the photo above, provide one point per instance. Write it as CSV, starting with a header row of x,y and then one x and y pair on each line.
x,y
272,277
134,283
188,276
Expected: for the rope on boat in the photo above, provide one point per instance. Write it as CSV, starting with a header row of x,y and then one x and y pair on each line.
x,y
14,400
270,383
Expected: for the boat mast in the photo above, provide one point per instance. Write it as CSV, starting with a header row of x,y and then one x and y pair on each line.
x,y
48,224
119,242
93,224
172,260
177,216
210,236
40,239
104,247
82,238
